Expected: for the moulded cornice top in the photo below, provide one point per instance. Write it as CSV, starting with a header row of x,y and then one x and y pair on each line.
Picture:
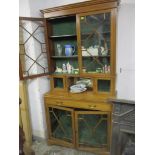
x,y
76,5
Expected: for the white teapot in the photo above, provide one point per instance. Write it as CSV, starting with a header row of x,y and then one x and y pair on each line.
x,y
93,51
58,70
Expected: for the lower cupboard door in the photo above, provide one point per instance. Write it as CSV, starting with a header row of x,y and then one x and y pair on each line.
x,y
61,122
92,131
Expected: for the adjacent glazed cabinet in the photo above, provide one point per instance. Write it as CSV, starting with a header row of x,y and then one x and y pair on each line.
x,y
74,44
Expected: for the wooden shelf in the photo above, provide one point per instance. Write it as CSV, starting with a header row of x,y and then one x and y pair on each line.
x,y
94,33
65,74
73,35
64,57
63,36
96,56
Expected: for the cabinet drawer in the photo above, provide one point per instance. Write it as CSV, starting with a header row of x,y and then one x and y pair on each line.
x,y
79,104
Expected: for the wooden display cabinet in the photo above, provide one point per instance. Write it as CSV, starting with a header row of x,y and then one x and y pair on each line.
x,y
88,29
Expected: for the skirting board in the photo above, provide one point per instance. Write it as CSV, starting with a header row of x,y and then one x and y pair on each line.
x,y
39,139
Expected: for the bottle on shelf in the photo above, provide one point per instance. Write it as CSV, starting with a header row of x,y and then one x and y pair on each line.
x,y
69,68
64,68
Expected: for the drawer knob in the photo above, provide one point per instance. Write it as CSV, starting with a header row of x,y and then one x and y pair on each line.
x,y
59,103
92,106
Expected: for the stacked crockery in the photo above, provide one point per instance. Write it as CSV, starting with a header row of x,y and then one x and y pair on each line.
x,y
78,88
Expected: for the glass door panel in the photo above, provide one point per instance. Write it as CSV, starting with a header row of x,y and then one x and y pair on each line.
x,y
58,83
103,85
61,123
93,129
95,32
32,48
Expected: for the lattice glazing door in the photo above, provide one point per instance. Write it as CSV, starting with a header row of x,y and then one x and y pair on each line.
x,y
62,124
93,129
95,34
32,48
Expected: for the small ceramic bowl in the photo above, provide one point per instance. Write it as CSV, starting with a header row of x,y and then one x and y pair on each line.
x,y
99,70
76,71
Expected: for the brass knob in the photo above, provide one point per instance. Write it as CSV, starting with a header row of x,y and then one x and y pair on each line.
x,y
92,106
59,103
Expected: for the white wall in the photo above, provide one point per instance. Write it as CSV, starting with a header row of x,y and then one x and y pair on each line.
x,y
125,58
24,8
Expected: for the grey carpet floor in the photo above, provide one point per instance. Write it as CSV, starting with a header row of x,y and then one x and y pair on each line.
x,y
41,148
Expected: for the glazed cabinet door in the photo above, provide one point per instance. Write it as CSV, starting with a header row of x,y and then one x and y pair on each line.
x,y
96,42
93,131
61,126
33,59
